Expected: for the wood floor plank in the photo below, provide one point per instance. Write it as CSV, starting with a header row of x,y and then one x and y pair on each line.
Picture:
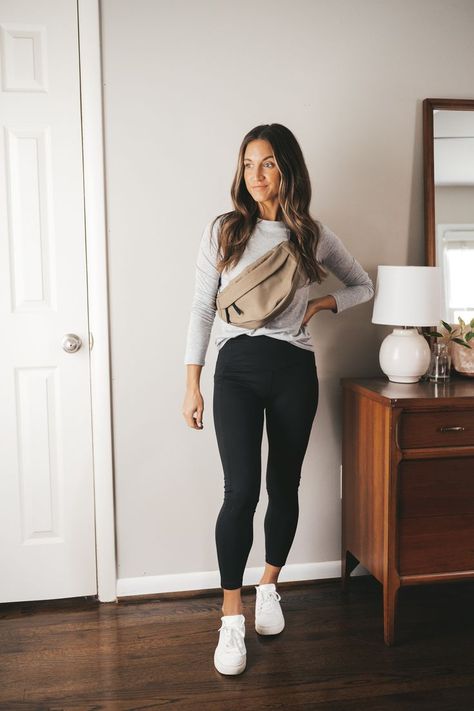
x,y
157,653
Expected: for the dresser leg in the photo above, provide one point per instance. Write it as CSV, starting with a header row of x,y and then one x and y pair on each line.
x,y
390,601
348,563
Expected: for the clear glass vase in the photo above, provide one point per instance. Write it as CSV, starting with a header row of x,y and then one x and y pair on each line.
x,y
439,370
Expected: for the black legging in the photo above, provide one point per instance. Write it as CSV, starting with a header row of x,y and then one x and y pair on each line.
x,y
254,374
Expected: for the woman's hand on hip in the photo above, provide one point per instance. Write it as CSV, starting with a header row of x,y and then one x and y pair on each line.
x,y
319,304
311,309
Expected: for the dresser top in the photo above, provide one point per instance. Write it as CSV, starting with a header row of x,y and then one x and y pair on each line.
x,y
382,389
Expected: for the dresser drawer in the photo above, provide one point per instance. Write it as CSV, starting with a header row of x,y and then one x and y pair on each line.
x,y
439,428
434,487
436,544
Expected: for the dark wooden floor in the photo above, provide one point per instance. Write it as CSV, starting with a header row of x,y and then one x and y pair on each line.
x,y
157,653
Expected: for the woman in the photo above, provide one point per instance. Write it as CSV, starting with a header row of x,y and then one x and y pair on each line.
x,y
269,369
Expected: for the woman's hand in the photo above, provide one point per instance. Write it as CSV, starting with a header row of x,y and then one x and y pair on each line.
x,y
193,407
311,309
315,305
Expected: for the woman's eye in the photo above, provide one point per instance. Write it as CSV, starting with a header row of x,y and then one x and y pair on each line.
x,y
270,165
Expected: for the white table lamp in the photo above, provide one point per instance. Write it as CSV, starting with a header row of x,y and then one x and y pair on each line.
x,y
406,297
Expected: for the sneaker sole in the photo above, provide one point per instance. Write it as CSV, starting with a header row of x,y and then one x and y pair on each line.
x,y
269,630
230,670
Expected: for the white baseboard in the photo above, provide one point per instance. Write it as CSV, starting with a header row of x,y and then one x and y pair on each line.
x,y
177,582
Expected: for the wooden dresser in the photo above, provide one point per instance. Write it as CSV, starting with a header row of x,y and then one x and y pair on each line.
x,y
407,484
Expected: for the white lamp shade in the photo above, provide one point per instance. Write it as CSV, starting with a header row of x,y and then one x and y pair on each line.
x,y
407,296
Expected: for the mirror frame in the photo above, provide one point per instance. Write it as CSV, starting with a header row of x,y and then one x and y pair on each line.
x,y
428,167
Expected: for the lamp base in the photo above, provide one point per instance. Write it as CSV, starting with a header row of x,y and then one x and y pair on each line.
x,y
404,355
402,379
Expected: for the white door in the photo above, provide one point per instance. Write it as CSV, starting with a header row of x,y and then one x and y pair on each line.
x,y
47,531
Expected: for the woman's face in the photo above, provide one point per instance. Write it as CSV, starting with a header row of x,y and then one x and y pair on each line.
x,y
262,177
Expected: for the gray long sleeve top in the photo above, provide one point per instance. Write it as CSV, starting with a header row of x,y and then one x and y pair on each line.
x,y
331,252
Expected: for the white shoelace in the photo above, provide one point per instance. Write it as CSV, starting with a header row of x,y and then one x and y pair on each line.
x,y
233,638
267,598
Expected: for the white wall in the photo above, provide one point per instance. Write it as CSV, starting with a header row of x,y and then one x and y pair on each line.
x,y
184,81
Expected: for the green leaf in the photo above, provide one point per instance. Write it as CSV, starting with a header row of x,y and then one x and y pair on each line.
x,y
463,325
461,343
435,334
447,326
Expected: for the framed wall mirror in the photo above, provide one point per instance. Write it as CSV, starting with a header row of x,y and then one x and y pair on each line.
x,y
448,146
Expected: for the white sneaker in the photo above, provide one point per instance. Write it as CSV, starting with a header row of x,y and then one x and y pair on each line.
x,y
268,614
230,656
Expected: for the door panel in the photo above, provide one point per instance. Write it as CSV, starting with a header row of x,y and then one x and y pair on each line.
x,y
46,485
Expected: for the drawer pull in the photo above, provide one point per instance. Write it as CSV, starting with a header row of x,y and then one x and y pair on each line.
x,y
452,429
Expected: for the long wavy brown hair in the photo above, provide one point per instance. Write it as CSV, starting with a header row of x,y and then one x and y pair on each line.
x,y
294,196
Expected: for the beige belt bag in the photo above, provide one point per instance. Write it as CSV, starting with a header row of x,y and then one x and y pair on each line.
x,y
263,289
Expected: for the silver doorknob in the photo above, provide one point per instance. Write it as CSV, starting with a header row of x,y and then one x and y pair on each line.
x,y
71,343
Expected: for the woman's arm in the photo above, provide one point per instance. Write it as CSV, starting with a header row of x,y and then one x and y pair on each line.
x,y
358,286
193,404
203,311
203,307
